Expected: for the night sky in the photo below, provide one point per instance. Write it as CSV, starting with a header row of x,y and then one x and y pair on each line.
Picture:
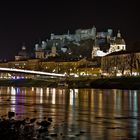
x,y
28,21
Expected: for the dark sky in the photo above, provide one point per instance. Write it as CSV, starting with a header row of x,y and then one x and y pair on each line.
x,y
28,21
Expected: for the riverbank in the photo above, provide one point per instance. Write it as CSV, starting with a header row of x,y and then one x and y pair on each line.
x,y
101,83
117,83
107,83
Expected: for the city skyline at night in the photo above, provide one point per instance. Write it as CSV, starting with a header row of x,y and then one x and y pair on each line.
x,y
29,21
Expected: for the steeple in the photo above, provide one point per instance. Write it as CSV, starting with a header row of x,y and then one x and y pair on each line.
x,y
119,34
23,46
68,32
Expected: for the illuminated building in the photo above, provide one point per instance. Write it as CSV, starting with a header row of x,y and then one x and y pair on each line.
x,y
116,44
39,51
80,34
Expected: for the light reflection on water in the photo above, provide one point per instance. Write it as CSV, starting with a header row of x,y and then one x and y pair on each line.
x,y
101,114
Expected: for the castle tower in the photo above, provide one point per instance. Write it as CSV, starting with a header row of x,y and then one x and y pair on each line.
x,y
68,32
53,53
110,32
39,52
93,32
43,45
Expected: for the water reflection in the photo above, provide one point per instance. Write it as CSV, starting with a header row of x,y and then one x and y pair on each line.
x,y
101,114
53,96
13,99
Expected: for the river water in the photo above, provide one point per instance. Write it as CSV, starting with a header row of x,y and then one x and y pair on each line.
x,y
78,114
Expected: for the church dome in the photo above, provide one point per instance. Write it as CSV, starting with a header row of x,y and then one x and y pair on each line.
x,y
23,52
118,40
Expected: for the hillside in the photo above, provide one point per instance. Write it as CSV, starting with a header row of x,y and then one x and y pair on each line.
x,y
84,49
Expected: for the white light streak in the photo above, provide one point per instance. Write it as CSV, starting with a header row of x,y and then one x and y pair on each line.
x,y
31,72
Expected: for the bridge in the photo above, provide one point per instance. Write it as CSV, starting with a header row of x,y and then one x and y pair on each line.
x,y
13,70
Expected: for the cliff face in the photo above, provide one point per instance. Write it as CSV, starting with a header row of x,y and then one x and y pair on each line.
x,y
84,48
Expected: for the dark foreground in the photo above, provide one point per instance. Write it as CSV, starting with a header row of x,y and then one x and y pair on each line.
x,y
26,129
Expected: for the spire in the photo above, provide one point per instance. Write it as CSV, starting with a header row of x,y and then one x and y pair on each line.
x,y
23,46
119,34
68,32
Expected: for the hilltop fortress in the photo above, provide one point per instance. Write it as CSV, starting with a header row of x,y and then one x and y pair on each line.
x,y
80,34
103,43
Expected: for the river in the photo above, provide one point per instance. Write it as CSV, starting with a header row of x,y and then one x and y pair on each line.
x,y
78,114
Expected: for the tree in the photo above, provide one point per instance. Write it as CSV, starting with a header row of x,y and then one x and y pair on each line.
x,y
132,62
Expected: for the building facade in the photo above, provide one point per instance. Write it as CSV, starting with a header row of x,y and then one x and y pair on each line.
x,y
115,44
121,63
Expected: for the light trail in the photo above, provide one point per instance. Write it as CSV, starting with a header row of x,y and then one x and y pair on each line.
x,y
31,72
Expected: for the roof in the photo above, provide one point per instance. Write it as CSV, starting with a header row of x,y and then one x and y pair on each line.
x,y
122,52
23,53
118,40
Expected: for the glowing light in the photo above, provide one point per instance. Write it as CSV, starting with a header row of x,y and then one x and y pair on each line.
x,y
41,95
47,92
101,53
17,90
53,95
32,88
119,74
76,75
13,91
8,90
71,96
100,103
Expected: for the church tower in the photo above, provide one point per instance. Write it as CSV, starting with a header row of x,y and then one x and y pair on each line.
x,y
39,52
118,44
